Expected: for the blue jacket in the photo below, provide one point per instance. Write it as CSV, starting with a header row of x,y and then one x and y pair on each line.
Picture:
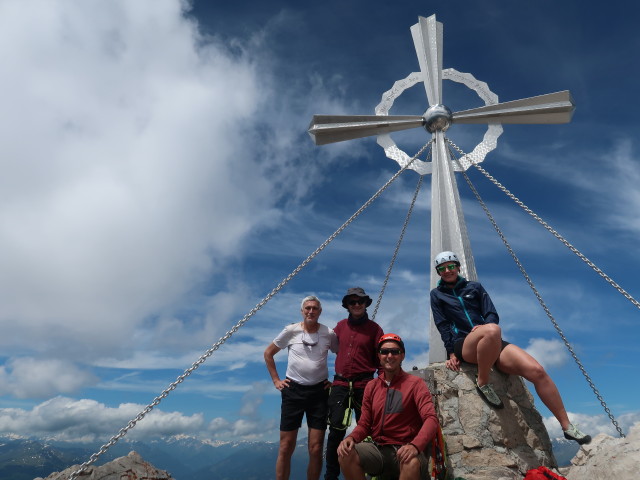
x,y
457,310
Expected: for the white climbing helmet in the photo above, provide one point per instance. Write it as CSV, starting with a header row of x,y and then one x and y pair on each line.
x,y
444,257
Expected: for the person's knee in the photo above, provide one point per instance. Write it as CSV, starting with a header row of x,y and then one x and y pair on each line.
x,y
537,373
287,446
412,467
493,331
349,459
315,449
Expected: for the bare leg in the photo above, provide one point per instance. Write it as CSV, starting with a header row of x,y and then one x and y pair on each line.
x,y
350,466
316,442
287,446
482,346
410,470
515,361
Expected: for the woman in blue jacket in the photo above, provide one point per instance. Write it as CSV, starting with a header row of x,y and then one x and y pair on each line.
x,y
468,324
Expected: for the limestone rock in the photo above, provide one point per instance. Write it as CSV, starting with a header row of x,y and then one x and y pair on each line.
x,y
484,443
131,467
607,458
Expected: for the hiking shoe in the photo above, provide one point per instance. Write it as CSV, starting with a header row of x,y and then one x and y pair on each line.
x,y
572,433
489,395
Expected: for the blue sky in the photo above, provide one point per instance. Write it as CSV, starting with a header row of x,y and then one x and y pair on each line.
x,y
158,182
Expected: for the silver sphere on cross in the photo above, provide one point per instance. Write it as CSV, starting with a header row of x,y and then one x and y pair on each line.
x,y
437,118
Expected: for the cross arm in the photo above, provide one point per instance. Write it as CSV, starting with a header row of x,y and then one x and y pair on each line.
x,y
549,109
337,128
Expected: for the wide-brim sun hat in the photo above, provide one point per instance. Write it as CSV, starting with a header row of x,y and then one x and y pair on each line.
x,y
356,291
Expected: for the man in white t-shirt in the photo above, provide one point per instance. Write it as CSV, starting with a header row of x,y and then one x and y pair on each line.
x,y
305,389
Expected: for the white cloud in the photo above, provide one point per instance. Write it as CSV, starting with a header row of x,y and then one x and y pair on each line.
x,y
245,429
593,424
36,378
65,419
549,353
124,165
252,400
136,160
605,175
421,361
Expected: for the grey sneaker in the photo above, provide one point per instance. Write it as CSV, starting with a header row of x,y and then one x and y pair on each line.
x,y
489,395
572,433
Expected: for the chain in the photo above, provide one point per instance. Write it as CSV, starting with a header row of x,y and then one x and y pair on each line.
x,y
395,253
132,423
566,243
538,296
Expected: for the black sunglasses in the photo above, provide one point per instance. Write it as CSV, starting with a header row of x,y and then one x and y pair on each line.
x,y
360,301
392,351
311,342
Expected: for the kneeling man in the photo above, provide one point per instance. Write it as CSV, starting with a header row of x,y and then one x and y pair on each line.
x,y
398,414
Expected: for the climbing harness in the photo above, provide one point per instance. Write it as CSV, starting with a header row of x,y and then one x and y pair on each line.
x,y
132,423
535,291
344,414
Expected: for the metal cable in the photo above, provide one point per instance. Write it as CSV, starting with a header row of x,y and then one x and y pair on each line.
x,y
132,423
537,294
395,253
566,243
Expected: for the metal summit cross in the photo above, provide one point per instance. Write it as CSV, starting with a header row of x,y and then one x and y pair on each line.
x,y
448,228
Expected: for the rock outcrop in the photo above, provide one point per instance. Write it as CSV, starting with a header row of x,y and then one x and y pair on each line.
x,y
608,458
484,443
131,467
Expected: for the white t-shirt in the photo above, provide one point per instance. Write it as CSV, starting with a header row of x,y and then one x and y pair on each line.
x,y
307,361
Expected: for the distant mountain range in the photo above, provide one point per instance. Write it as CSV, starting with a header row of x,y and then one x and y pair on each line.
x,y
185,458
564,450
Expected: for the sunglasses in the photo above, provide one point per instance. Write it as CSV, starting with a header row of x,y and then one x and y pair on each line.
x,y
390,351
450,267
311,342
360,301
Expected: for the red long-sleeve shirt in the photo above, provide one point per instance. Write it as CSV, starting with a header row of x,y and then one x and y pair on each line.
x,y
397,414
357,354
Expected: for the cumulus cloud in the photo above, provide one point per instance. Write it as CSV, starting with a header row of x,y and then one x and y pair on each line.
x,y
35,378
593,424
121,152
86,420
421,361
245,429
550,353
136,160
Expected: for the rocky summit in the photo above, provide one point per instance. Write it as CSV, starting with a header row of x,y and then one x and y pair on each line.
x,y
607,458
484,443
131,467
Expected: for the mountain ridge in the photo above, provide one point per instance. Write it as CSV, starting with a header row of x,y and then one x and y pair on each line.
x,y
185,457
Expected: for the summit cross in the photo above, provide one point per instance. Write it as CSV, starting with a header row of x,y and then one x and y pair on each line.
x,y
448,228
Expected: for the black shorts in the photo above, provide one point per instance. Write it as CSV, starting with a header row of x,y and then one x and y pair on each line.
x,y
298,400
457,348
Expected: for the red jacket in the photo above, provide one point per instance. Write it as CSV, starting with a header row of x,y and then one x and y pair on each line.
x,y
358,350
397,414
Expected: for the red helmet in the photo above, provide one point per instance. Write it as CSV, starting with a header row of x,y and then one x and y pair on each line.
x,y
391,337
